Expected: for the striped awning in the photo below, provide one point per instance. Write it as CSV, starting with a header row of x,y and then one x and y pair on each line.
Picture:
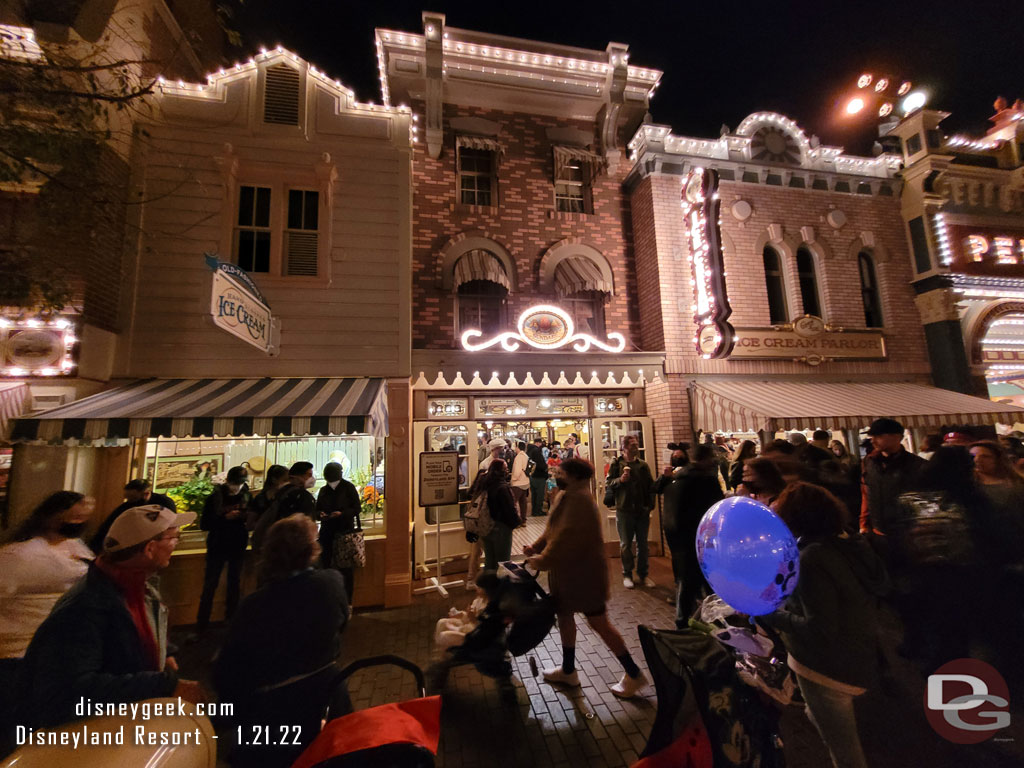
x,y
216,408
480,265
479,142
578,273
751,406
591,163
14,397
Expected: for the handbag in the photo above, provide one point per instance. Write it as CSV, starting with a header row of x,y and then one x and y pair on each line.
x,y
609,492
350,548
478,520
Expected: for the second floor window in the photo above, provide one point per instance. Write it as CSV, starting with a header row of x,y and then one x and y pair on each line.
x,y
476,176
480,306
273,241
587,311
808,276
252,236
571,188
775,283
869,293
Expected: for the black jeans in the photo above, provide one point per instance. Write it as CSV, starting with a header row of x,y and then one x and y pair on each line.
x,y
215,562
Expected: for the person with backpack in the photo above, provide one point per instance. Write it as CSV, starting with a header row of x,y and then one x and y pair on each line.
x,y
493,504
295,497
630,486
226,540
938,531
829,624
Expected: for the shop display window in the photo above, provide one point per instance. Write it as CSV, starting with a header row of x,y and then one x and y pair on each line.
x,y
187,469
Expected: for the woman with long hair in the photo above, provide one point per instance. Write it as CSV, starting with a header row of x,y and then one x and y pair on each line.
x,y
762,480
746,452
829,623
497,544
572,549
46,556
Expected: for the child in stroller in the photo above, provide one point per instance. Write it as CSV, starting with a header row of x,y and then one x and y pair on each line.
x,y
518,615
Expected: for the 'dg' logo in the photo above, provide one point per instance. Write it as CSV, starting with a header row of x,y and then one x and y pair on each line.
x,y
967,701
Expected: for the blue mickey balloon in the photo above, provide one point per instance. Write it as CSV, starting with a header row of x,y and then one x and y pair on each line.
x,y
748,555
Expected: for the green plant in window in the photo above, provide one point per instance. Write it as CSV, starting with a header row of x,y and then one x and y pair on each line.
x,y
191,496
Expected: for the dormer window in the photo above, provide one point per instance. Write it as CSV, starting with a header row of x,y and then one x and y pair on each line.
x,y
281,95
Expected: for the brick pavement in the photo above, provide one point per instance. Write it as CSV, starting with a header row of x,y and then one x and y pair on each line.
x,y
528,723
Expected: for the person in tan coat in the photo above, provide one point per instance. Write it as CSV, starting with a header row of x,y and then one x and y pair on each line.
x,y
572,549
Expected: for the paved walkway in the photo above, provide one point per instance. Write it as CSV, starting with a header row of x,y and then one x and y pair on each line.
x,y
528,723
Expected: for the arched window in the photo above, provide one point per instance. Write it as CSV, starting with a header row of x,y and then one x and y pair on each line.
x,y
808,282
480,306
776,285
869,293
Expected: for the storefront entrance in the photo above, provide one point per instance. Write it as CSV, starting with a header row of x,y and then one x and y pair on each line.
x,y
598,437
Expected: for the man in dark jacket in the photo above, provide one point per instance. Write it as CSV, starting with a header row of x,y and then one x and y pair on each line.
x,y
538,476
689,491
106,639
630,479
338,508
226,540
889,471
137,492
295,497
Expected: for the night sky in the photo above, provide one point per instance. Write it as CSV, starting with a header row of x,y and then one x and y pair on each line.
x,y
721,60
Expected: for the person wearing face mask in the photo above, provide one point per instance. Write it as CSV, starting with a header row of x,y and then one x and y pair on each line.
x,y
262,511
227,537
44,559
338,508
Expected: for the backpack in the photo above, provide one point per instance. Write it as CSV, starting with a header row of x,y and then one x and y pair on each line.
x,y
609,492
937,531
477,519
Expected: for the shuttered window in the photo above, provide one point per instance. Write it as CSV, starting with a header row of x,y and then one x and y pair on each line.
x,y
273,241
281,95
775,283
301,236
808,277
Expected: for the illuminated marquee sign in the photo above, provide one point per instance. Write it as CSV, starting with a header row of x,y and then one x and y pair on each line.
x,y
37,347
546,328
711,308
985,250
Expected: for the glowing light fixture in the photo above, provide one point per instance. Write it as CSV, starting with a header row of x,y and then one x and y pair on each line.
x,y
881,85
864,81
913,102
885,109
854,106
904,88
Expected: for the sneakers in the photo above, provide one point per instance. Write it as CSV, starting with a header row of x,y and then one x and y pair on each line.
x,y
627,582
556,676
628,687
648,583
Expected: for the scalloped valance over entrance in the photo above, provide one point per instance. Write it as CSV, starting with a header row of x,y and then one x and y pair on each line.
x,y
480,265
578,273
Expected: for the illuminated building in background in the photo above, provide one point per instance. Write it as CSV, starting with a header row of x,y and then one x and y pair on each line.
x,y
963,202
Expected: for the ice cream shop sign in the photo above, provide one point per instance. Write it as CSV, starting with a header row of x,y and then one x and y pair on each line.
x,y
238,307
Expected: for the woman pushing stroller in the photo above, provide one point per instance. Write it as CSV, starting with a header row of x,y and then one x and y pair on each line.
x,y
572,549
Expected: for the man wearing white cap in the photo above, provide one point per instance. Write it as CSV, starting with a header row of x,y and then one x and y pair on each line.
x,y
497,448
106,639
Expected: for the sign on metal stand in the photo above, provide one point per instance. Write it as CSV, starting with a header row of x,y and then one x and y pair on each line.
x,y
439,486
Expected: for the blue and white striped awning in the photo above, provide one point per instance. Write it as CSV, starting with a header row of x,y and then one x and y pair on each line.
x,y
215,408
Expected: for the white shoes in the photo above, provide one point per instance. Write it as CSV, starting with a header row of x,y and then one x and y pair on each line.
x,y
628,687
555,675
648,583
627,582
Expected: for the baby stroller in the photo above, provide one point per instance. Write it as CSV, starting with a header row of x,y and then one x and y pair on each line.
x,y
400,735
518,616
709,715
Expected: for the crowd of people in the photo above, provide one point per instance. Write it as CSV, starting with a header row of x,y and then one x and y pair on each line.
x,y
935,536
87,622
